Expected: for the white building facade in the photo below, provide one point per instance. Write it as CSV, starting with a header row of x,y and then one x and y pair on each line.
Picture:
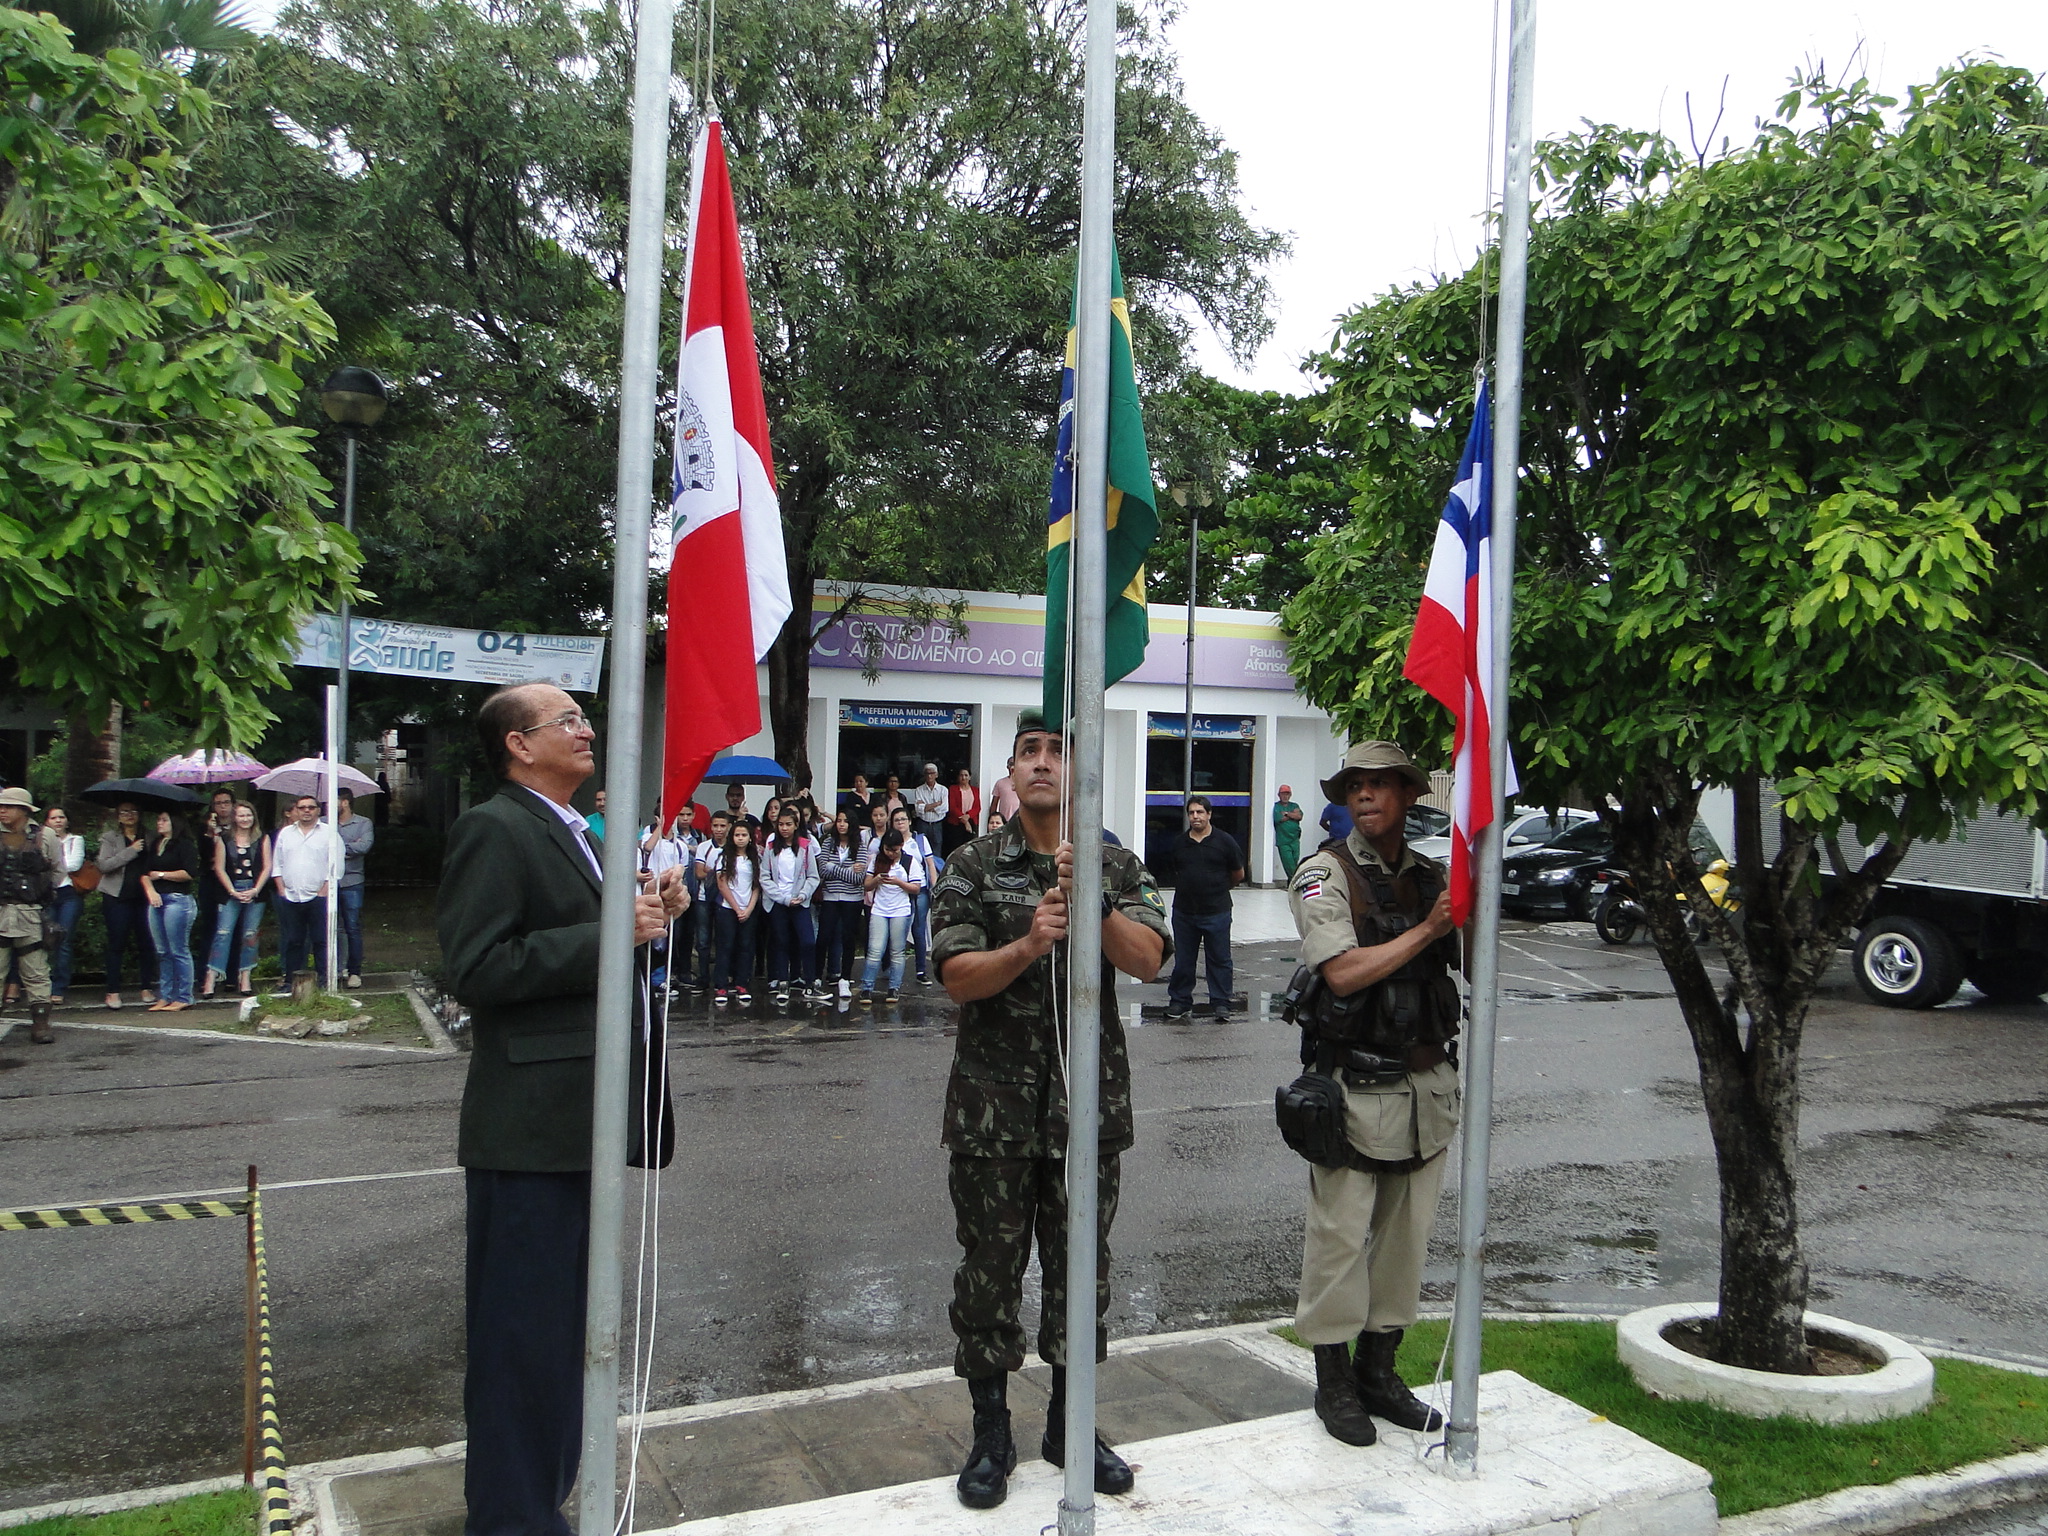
x,y
951,694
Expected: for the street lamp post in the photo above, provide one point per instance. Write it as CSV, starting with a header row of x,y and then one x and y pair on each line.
x,y
354,399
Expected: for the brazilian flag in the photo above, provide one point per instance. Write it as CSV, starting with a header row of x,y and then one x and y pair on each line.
x,y
1133,516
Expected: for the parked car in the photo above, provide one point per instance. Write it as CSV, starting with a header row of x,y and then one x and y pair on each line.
x,y
1557,880
1526,829
1554,879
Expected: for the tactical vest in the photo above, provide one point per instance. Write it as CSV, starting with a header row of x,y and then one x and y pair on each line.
x,y
1416,1005
24,873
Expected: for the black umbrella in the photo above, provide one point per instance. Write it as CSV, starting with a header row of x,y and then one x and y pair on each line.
x,y
152,794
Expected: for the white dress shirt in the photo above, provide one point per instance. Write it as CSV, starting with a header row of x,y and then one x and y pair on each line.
x,y
573,820
306,859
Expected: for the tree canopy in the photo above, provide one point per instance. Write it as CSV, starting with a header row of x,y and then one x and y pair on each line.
x,y
451,181
159,528
1782,518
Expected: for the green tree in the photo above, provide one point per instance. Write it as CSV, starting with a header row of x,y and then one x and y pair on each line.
x,y
1258,468
159,30
159,536
907,174
1782,517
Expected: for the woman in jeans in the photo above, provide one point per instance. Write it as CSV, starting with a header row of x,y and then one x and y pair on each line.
x,y
894,878
122,902
919,847
241,869
67,901
789,881
842,886
736,869
169,876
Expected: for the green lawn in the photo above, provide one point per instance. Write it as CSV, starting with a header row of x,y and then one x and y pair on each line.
x,y
205,1514
1978,1413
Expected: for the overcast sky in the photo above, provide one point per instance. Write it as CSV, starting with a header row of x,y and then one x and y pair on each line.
x,y
1360,125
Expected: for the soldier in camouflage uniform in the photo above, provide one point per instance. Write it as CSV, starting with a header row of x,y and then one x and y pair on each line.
x,y
999,915
1375,922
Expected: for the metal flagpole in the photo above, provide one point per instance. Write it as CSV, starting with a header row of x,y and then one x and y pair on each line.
x,y
1507,450
1187,746
596,1494
1084,757
335,732
338,734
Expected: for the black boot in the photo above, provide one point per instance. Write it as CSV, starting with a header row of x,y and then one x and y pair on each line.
x,y
1337,1403
39,1024
1112,1472
985,1480
1382,1391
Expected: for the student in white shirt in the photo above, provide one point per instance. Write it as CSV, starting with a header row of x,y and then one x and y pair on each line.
x,y
919,847
896,877
789,883
735,870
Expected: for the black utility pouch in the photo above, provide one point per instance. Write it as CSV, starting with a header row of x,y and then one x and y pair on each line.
x,y
1310,1113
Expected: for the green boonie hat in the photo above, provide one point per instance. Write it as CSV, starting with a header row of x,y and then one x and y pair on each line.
x,y
1374,754
1030,720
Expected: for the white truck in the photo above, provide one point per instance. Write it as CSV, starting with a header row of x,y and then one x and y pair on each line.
x,y
1972,908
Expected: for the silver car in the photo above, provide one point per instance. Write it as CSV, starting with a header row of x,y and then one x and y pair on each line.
x,y
1526,829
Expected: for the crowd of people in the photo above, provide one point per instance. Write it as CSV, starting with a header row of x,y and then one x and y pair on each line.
x,y
813,901
182,898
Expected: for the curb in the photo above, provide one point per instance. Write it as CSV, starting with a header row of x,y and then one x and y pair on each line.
x,y
429,1025
114,1503
10,1021
1905,1505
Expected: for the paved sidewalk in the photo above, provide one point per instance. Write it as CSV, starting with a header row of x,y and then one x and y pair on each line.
x,y
1216,1423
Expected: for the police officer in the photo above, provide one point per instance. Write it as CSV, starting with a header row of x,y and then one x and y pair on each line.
x,y
1375,924
999,917
29,857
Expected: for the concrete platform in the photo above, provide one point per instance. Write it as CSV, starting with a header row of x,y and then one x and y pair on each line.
x,y
1216,1423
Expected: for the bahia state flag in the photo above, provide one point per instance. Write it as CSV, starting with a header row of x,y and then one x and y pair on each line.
x,y
1133,515
1450,655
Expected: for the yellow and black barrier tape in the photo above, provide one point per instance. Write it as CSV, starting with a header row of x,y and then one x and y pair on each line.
x,y
270,1478
119,1215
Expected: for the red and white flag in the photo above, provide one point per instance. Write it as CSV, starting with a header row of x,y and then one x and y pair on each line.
x,y
1450,655
728,587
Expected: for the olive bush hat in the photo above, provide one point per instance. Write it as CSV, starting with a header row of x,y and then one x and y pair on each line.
x,y
1382,755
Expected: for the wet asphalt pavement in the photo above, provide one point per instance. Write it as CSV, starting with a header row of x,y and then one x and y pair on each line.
x,y
804,1232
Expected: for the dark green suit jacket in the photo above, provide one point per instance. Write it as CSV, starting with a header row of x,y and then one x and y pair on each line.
x,y
517,916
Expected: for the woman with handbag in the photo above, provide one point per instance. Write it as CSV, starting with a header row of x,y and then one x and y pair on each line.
x,y
73,877
122,902
241,871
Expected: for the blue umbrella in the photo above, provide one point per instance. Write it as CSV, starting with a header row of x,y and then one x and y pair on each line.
x,y
745,770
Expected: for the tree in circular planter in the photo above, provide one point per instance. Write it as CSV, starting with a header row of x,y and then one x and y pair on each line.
x,y
1782,525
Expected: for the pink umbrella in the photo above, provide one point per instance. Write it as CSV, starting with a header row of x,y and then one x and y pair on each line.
x,y
215,765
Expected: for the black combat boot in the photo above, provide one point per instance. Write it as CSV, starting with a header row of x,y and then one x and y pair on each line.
x,y
1112,1472
1382,1391
1337,1403
985,1480
39,1024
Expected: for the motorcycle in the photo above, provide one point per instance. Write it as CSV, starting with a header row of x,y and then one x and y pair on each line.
x,y
1618,910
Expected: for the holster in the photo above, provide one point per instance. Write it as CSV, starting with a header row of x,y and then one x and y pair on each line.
x,y
1310,1114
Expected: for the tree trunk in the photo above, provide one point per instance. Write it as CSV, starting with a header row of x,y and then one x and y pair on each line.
x,y
1751,1092
90,753
789,685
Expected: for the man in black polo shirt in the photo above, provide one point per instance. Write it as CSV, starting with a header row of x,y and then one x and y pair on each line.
x,y
1207,863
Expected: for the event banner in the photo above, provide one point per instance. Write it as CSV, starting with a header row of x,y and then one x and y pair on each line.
x,y
1007,641
908,717
570,662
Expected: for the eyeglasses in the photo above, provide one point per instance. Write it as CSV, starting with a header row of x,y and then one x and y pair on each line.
x,y
575,720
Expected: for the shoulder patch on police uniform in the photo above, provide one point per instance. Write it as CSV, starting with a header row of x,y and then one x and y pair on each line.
x,y
1310,888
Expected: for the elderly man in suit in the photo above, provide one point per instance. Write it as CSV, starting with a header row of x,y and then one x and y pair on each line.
x,y
518,921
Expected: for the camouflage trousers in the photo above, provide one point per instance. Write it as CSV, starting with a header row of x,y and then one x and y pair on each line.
x,y
999,1204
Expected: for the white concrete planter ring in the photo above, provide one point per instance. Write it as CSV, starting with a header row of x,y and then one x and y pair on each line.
x,y
1903,1384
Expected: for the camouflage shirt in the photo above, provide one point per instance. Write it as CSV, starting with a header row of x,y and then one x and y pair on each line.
x,y
1006,1097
